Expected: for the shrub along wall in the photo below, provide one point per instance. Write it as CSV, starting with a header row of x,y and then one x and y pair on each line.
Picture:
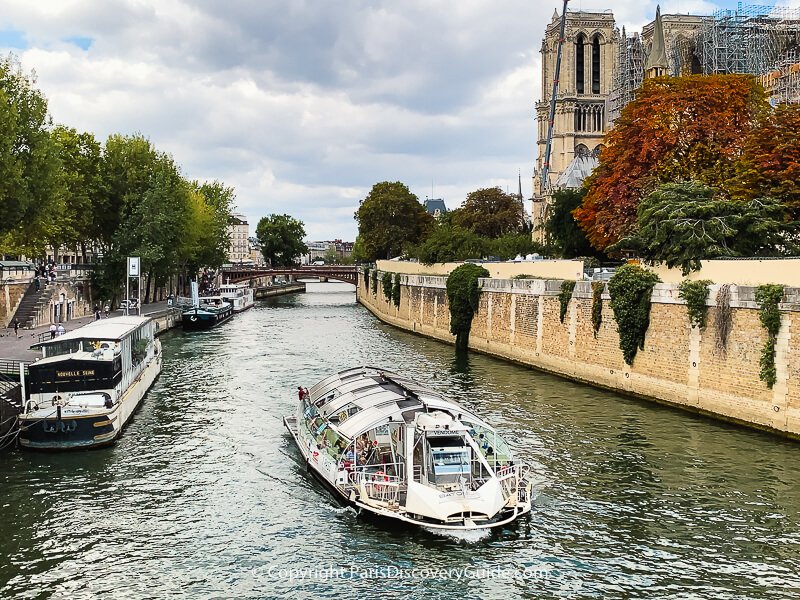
x,y
679,364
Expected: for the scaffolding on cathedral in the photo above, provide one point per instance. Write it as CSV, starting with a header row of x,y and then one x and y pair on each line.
x,y
783,85
627,75
752,39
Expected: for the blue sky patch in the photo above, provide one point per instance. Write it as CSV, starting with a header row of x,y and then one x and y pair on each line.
x,y
81,42
12,38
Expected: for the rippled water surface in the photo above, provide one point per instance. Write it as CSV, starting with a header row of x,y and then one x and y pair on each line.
x,y
205,497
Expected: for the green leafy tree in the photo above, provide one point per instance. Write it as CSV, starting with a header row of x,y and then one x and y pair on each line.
x,y
218,200
390,221
562,231
31,191
128,167
681,224
490,212
331,257
448,244
81,175
511,245
281,239
155,227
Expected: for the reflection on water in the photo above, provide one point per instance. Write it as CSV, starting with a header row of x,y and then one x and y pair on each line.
x,y
205,497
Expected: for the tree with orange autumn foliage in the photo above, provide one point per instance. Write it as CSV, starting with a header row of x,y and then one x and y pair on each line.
x,y
770,162
677,129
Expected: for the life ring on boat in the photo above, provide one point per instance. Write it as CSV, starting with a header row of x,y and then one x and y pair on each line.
x,y
342,416
193,318
380,474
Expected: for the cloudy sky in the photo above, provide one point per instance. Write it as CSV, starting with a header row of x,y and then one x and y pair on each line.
x,y
302,105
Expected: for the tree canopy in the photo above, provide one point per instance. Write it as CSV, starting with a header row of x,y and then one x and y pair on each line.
x,y
62,188
490,212
281,239
31,193
390,221
770,162
677,129
564,235
681,224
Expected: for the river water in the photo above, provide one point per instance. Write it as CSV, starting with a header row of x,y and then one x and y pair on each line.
x,y
205,497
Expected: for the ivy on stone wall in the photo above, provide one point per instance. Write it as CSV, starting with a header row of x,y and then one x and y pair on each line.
x,y
724,320
565,296
463,295
597,305
396,290
386,281
366,277
375,282
695,294
768,296
631,288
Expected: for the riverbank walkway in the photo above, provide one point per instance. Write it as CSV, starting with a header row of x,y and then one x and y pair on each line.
x,y
18,348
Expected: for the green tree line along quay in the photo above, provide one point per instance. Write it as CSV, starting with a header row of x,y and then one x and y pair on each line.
x,y
62,188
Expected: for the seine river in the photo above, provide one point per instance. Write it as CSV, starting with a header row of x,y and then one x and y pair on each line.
x,y
205,497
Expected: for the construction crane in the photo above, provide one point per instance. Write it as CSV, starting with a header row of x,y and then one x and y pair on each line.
x,y
545,177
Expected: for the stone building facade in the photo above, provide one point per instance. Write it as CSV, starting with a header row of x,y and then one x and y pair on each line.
x,y
586,76
239,231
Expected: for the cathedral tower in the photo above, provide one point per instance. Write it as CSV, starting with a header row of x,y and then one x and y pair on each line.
x,y
587,60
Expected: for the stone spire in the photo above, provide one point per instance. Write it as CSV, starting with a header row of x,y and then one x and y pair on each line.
x,y
656,65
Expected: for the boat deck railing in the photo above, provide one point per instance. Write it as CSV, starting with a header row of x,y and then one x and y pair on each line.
x,y
382,482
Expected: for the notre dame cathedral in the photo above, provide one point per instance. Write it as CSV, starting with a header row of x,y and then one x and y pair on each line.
x,y
602,67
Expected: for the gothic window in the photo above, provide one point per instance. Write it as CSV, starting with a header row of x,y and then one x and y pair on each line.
x,y
579,60
590,117
581,150
596,65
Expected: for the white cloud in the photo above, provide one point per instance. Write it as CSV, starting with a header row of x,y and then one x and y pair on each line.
x,y
301,106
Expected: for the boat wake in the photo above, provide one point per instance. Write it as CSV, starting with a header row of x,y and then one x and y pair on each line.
x,y
469,536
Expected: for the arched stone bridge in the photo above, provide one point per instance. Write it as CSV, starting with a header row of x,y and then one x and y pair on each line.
x,y
346,273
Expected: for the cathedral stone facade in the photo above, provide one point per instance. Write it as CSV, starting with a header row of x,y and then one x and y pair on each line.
x,y
586,77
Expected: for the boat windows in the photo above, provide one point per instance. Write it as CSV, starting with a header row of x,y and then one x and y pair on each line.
x,y
493,447
450,461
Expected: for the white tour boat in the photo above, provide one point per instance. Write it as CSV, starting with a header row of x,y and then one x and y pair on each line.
x,y
241,295
88,383
396,449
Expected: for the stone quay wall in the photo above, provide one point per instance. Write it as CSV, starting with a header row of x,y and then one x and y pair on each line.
x,y
519,320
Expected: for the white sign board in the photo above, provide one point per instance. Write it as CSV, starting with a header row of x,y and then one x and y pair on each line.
x,y
133,266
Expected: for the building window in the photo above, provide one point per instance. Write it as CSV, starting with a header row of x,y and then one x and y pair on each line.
x,y
579,60
596,65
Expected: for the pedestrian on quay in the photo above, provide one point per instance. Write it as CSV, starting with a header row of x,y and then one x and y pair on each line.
x,y
60,330
96,312
37,283
52,330
108,310
16,327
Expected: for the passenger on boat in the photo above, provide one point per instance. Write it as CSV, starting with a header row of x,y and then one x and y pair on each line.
x,y
300,393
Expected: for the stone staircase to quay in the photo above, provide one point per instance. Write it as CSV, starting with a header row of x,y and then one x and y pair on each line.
x,y
31,304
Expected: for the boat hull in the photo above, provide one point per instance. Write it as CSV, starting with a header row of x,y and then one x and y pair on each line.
x,y
76,430
504,517
200,320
